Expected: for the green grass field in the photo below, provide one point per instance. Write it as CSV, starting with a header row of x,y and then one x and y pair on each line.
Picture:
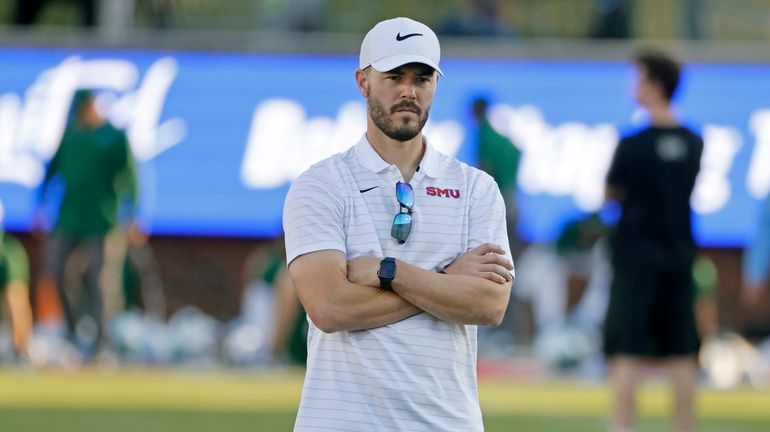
x,y
190,401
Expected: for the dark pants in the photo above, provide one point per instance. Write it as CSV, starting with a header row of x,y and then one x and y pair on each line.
x,y
58,251
651,313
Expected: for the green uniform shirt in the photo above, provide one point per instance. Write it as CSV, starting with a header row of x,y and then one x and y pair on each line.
x,y
98,170
498,157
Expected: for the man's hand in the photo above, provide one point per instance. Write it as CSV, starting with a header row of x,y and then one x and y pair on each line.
x,y
363,271
486,261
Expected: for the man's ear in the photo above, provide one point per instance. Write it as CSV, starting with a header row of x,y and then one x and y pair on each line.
x,y
362,82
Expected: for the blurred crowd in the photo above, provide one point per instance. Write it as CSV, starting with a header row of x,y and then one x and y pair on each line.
x,y
599,19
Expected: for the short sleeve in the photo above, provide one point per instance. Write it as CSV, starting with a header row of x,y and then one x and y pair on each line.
x,y
313,215
487,220
17,264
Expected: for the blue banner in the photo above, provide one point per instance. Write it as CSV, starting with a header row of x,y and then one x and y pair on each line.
x,y
219,137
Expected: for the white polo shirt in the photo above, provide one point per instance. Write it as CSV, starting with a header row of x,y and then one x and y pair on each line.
x,y
418,374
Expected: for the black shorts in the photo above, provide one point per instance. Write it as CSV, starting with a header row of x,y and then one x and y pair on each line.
x,y
651,313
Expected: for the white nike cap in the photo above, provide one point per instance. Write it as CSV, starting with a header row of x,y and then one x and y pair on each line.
x,y
398,41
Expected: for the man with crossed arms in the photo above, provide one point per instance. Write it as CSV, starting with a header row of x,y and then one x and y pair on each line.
x,y
394,250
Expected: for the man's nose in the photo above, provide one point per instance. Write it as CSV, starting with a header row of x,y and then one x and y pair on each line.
x,y
408,90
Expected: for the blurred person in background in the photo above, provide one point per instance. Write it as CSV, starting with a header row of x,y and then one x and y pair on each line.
x,y
14,288
476,18
756,261
651,306
141,278
499,157
270,302
612,19
567,281
28,11
97,172
397,253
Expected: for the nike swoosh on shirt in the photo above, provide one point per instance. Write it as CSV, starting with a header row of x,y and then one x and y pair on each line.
x,y
406,36
367,190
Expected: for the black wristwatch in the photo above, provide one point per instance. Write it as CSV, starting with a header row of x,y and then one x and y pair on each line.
x,y
387,272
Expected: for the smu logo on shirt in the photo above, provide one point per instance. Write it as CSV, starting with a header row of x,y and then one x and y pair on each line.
x,y
445,193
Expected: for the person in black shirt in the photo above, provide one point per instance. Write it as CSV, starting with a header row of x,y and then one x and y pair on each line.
x,y
650,313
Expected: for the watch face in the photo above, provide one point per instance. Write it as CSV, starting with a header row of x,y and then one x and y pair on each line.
x,y
387,269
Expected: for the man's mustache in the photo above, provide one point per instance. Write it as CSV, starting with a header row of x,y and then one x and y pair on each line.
x,y
406,105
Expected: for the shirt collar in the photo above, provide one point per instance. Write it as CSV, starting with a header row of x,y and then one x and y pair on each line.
x,y
431,161
369,157
429,166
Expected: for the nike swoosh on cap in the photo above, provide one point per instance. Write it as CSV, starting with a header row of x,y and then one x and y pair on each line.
x,y
367,190
406,36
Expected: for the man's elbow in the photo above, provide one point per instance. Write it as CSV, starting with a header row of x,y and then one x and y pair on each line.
x,y
494,315
327,320
494,312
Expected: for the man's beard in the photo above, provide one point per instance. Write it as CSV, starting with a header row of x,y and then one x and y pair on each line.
x,y
403,132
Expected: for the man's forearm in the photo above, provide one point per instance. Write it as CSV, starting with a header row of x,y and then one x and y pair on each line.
x,y
457,298
363,307
334,303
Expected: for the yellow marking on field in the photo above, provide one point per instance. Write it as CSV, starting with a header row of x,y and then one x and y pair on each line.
x,y
161,389
166,389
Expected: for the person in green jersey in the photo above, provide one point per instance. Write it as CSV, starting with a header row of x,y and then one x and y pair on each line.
x,y
97,172
14,288
499,157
